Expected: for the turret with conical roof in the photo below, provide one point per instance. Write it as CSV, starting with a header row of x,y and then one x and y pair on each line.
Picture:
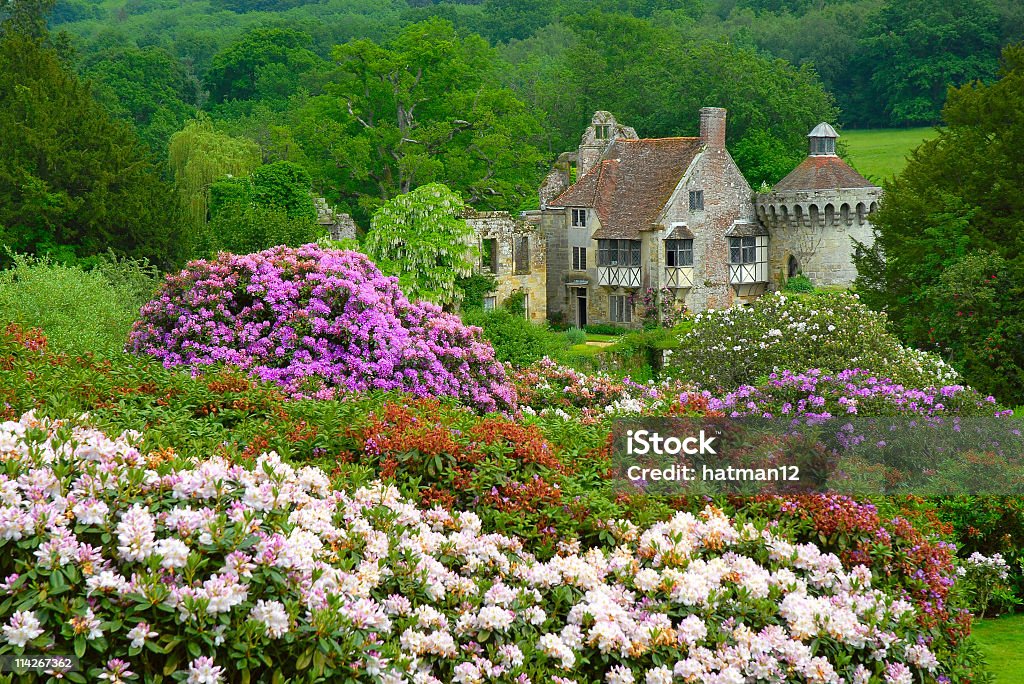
x,y
816,212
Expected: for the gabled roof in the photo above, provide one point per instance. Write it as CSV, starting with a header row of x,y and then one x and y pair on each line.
x,y
632,184
824,172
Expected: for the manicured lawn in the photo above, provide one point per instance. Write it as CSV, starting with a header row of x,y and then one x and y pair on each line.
x,y
1002,642
602,338
882,152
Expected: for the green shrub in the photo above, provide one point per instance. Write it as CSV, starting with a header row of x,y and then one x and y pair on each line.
x,y
249,228
645,349
575,336
135,279
474,288
515,303
516,341
830,331
605,329
799,283
80,311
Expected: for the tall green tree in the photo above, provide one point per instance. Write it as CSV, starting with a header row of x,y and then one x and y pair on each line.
x,y
421,238
423,108
913,51
73,180
147,86
958,208
27,18
264,61
198,155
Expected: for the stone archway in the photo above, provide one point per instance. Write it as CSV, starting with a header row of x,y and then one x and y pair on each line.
x,y
792,267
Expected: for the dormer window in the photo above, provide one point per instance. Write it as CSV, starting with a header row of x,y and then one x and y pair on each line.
x,y
678,253
602,131
579,218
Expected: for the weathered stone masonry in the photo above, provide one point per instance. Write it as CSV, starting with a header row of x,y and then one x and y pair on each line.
x,y
677,213
514,270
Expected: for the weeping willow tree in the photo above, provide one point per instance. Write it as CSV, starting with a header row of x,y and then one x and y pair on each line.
x,y
420,238
198,155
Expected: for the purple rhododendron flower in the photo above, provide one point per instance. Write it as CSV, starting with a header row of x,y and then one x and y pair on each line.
x,y
318,322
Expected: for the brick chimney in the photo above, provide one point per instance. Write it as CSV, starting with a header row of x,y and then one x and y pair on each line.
x,y
712,127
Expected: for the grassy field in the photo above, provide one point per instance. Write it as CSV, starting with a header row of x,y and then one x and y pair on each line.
x,y
1002,642
882,152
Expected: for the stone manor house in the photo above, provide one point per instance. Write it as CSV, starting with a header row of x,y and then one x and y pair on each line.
x,y
673,213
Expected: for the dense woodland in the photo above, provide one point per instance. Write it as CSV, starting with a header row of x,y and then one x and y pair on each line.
x,y
374,98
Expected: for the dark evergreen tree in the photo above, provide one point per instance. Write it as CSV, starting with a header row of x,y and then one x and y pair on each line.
x,y
73,180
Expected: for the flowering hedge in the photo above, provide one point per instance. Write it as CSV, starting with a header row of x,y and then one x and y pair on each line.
x,y
548,389
317,322
850,392
207,571
721,350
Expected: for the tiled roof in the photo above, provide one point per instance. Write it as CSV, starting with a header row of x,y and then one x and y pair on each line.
x,y
632,184
680,233
826,172
746,229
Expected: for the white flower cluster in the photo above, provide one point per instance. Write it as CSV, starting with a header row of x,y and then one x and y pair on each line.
x,y
994,564
462,605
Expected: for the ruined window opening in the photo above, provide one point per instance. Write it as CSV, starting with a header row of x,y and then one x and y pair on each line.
x,y
579,218
679,252
521,255
696,200
602,131
489,255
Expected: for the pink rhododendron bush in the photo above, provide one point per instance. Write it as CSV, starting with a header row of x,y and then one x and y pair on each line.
x,y
317,322
147,567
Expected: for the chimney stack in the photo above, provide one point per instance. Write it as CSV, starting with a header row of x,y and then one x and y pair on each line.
x,y
712,127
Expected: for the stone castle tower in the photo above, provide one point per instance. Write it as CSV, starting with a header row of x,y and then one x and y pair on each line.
x,y
815,214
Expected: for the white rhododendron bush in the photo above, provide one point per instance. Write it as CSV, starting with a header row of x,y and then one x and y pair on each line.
x,y
150,568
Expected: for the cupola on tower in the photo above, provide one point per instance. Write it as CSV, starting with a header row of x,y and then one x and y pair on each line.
x,y
817,213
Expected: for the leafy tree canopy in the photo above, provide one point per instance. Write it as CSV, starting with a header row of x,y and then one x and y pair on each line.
x,y
422,108
913,51
421,238
147,86
264,59
958,208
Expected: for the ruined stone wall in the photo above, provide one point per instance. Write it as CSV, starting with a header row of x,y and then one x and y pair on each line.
x,y
592,146
339,226
554,227
504,228
818,229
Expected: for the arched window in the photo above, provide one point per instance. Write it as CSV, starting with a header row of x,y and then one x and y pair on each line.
x,y
792,267
830,214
